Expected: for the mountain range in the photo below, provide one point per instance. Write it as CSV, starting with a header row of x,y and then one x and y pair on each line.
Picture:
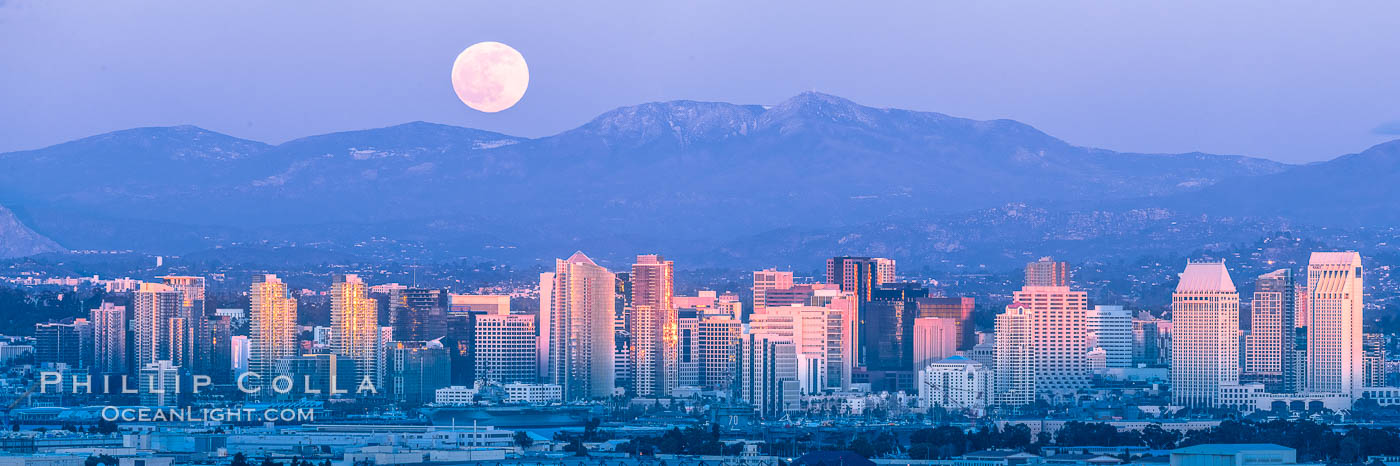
x,y
707,181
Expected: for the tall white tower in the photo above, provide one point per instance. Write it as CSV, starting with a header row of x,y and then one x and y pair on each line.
x,y
1205,334
1334,333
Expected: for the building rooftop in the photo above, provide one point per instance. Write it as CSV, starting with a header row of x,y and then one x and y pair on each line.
x,y
1229,448
1205,276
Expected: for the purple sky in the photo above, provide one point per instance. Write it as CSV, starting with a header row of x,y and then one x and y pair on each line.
x,y
1291,81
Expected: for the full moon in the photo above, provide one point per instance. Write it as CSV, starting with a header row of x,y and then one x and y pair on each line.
x,y
490,76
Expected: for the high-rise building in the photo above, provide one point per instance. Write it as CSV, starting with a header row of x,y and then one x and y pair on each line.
x,y
1111,328
884,270
717,337
109,338
888,329
1269,348
1047,272
1015,378
1152,341
768,378
59,343
1205,341
1334,333
505,348
415,371
418,314
854,274
219,342
355,325
653,327
1061,338
806,328
956,384
1373,360
186,351
935,339
545,322
959,309
768,279
581,323
272,325
841,336
622,337
158,382
155,305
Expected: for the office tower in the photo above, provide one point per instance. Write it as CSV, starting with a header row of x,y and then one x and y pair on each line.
x,y
688,355
768,279
622,326
1061,339
415,371
460,341
796,295
312,375
1269,348
219,342
155,305
355,325
505,348
466,304
841,336
887,329
581,320
1015,377
884,270
1111,328
158,382
1373,360
109,338
956,384
1152,341
418,314
717,338
653,327
386,344
1300,302
935,339
958,309
272,327
241,350
186,351
1205,342
1047,272
806,328
545,322
768,375
729,304
57,343
854,274
1334,333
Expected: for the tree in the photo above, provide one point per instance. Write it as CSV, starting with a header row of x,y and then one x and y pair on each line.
x,y
239,459
576,446
523,440
106,460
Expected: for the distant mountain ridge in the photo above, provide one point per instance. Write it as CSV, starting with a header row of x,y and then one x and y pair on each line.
x,y
654,176
17,240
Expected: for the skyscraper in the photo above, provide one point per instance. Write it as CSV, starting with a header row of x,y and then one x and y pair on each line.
x,y
1205,327
653,329
504,348
355,325
806,327
186,348
272,323
884,270
1269,348
109,338
935,338
1373,360
581,322
1111,328
718,337
854,274
1060,339
1015,379
959,309
768,378
768,279
1047,272
58,343
418,314
1334,333
155,306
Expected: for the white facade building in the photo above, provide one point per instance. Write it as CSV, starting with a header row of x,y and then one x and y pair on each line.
x,y
1205,334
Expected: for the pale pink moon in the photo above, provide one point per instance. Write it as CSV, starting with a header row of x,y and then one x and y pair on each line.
x,y
490,76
